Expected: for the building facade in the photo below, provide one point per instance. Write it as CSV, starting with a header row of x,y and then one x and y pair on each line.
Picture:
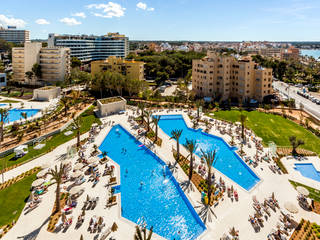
x,y
130,68
11,34
91,48
226,76
3,80
54,62
291,53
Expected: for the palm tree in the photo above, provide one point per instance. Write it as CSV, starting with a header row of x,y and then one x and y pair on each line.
x,y
24,115
210,158
4,114
191,146
243,119
141,234
76,123
56,175
141,107
65,102
148,116
176,134
295,143
29,76
155,121
198,104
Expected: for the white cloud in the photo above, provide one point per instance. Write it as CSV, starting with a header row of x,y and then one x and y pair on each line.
x,y
143,6
109,10
70,21
11,21
42,21
79,14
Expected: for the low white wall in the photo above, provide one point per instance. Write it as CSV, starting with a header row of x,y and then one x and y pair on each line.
x,y
111,108
46,94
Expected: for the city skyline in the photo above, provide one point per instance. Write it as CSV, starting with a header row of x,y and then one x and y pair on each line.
x,y
285,20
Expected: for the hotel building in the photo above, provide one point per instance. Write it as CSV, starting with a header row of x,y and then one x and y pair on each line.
x,y
226,76
11,34
91,48
130,68
54,62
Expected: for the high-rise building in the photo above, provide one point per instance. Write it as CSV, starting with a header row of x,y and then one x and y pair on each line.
x,y
226,76
11,34
130,68
54,62
91,48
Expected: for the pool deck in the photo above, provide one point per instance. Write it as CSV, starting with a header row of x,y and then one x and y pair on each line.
x,y
228,213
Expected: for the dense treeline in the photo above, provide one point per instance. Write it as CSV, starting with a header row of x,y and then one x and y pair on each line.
x,y
292,71
168,64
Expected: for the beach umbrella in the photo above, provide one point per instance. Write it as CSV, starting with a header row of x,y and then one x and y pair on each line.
x,y
76,174
78,166
75,190
291,207
81,237
114,227
45,165
42,173
303,190
100,220
37,182
95,125
31,197
92,160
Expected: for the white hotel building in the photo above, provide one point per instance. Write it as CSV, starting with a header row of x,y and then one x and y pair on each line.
x,y
90,48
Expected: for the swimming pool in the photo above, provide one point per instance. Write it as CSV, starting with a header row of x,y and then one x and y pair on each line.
x,y
159,201
15,114
3,104
228,162
308,170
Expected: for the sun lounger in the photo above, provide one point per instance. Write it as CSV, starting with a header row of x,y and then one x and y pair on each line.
x,y
111,201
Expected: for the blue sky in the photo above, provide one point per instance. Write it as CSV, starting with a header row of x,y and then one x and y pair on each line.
x,y
212,20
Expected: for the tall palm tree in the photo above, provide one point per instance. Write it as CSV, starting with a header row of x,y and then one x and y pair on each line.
x,y
191,146
210,158
141,234
4,114
24,115
65,102
155,121
198,104
176,134
141,107
147,115
243,119
295,143
76,123
56,175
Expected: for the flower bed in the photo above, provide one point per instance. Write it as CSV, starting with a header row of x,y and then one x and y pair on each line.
x,y
306,231
56,215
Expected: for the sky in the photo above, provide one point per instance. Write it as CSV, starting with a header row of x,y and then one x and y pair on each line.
x,y
196,20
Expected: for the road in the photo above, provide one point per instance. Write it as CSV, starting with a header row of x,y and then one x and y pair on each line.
x,y
291,92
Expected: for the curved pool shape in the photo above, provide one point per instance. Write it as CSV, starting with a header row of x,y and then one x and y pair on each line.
x,y
228,162
148,190
15,114
308,170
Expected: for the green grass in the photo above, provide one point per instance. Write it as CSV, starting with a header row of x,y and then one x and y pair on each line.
x,y
314,193
273,128
13,199
88,119
9,101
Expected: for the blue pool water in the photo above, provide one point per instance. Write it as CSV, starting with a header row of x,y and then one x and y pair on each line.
x,y
228,162
159,202
2,104
15,114
308,170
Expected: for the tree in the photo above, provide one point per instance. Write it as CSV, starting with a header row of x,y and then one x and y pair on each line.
x,y
76,123
29,76
75,62
2,68
210,158
4,114
56,175
243,119
155,121
65,102
24,115
36,69
141,107
141,233
191,146
198,104
176,134
295,143
148,115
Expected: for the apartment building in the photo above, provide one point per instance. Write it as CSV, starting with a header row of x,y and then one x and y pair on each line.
x,y
272,52
226,76
11,34
90,48
130,68
291,53
54,62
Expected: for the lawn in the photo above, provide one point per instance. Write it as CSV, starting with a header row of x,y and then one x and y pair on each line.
x,y
13,199
9,101
56,140
273,128
314,193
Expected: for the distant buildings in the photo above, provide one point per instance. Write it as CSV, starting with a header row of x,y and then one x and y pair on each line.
x,y
11,34
225,76
54,62
291,53
3,80
90,48
130,68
